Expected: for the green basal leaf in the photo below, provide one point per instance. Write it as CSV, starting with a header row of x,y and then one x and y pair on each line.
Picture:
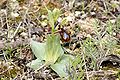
x,y
35,64
49,51
38,49
53,49
56,14
61,67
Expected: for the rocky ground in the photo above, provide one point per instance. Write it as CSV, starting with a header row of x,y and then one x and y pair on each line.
x,y
93,27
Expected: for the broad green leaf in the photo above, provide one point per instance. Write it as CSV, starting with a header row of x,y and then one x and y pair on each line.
x,y
53,49
35,64
38,49
56,14
62,66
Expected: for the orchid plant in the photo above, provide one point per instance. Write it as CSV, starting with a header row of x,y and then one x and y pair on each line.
x,y
51,53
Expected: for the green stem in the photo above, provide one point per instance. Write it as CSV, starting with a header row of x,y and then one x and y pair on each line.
x,y
53,30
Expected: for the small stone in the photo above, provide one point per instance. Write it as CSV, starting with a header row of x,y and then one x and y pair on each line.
x,y
43,16
13,0
70,18
44,23
114,34
88,35
24,34
14,14
92,13
59,19
84,15
113,21
77,13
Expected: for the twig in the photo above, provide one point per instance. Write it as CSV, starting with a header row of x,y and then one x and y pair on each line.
x,y
29,28
5,70
16,31
101,73
45,64
13,44
85,64
4,57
